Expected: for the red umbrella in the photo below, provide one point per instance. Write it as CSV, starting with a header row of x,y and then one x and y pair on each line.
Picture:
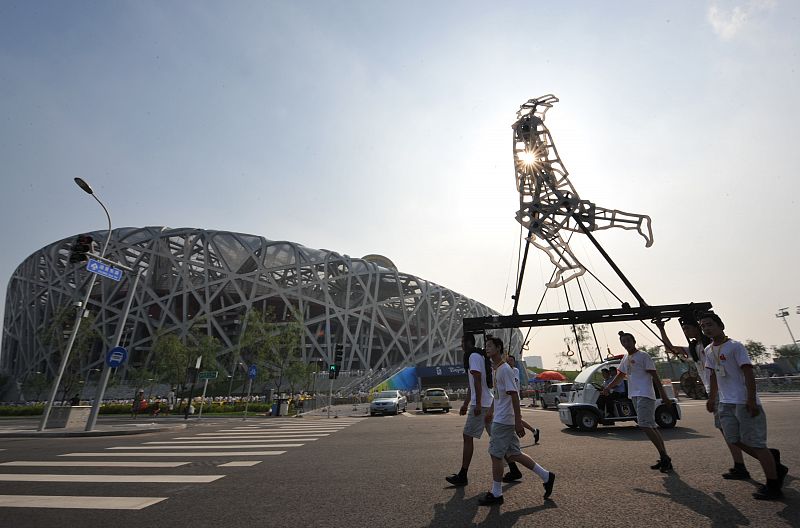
x,y
551,375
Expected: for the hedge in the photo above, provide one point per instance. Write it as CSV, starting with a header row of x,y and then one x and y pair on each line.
x,y
125,408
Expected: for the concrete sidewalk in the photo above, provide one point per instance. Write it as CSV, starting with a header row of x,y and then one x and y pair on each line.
x,y
28,429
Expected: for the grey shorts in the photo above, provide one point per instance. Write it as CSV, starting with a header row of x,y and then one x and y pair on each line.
x,y
504,441
475,425
716,415
645,411
739,426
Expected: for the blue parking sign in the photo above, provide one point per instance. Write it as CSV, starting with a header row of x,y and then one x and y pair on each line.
x,y
251,372
116,356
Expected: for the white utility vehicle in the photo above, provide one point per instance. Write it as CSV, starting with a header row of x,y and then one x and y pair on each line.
x,y
582,411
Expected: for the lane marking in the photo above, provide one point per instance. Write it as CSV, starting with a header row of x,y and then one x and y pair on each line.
x,y
86,463
242,463
254,446
205,453
254,435
32,477
185,442
78,502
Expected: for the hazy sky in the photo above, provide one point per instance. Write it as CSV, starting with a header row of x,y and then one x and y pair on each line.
x,y
384,127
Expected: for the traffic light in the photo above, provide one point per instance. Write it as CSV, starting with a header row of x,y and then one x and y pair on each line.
x,y
83,244
333,371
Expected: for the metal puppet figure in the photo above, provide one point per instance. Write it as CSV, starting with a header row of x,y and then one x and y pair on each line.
x,y
548,201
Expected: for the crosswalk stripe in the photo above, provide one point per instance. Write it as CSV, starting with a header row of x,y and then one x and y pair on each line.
x,y
34,477
204,453
298,436
234,431
257,435
77,502
184,442
86,463
254,446
241,463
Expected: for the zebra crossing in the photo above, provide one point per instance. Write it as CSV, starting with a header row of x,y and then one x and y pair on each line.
x,y
230,446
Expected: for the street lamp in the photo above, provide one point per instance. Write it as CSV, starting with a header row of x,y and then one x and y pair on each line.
x,y
79,313
89,373
782,314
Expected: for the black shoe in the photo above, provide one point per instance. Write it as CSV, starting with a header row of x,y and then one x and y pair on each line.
x,y
782,472
535,436
457,480
765,493
657,465
512,476
666,465
490,500
735,473
548,486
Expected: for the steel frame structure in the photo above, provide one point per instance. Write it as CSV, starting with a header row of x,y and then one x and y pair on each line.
x,y
382,317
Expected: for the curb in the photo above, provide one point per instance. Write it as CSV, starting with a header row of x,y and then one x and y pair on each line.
x,y
65,434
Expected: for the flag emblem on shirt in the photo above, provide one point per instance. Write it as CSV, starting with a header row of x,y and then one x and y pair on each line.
x,y
722,357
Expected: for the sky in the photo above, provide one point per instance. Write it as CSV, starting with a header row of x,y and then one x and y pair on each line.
x,y
384,127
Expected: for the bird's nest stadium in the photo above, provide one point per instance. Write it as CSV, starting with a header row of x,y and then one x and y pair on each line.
x,y
381,317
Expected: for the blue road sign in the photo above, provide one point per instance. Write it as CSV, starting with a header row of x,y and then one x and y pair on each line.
x,y
95,266
116,356
251,372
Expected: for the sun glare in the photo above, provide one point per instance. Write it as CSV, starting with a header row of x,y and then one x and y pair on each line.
x,y
527,157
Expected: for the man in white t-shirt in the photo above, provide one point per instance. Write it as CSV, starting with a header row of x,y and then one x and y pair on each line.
x,y
733,392
696,355
507,428
642,381
477,405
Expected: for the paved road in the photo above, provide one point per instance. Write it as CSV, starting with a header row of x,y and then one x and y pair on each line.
x,y
385,471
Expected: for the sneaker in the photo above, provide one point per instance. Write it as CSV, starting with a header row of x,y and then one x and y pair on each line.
x,y
512,476
657,465
666,465
457,480
736,473
765,493
548,486
490,500
535,436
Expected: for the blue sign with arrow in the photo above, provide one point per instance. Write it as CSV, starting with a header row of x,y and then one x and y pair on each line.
x,y
95,266
116,356
251,372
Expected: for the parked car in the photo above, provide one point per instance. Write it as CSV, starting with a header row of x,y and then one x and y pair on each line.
x,y
387,402
582,411
435,399
555,394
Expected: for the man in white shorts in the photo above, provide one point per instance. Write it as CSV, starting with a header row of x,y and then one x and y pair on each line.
x,y
741,416
642,382
507,428
477,404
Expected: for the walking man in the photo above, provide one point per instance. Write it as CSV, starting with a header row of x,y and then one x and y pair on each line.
x,y
696,355
507,428
477,404
643,382
741,416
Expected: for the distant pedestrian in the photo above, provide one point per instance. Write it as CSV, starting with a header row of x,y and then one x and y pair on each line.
x,y
76,400
643,381
477,404
138,404
507,428
741,415
695,354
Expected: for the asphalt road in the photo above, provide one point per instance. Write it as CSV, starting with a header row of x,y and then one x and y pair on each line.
x,y
389,471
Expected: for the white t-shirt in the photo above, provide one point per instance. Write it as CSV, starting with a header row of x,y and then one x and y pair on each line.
x,y
477,363
640,382
504,381
702,371
727,360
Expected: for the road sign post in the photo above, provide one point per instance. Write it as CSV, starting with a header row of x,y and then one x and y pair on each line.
x,y
191,389
113,355
251,375
205,375
105,270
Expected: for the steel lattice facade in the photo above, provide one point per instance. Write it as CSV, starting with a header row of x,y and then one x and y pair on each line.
x,y
382,317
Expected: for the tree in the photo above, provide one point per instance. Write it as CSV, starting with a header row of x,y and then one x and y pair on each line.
x,y
653,351
787,351
56,335
171,357
757,351
270,345
580,335
298,372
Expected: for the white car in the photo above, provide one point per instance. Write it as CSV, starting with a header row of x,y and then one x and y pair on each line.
x,y
387,402
582,411
556,393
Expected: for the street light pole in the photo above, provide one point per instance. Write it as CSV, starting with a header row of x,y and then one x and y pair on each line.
x,y
79,315
782,314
